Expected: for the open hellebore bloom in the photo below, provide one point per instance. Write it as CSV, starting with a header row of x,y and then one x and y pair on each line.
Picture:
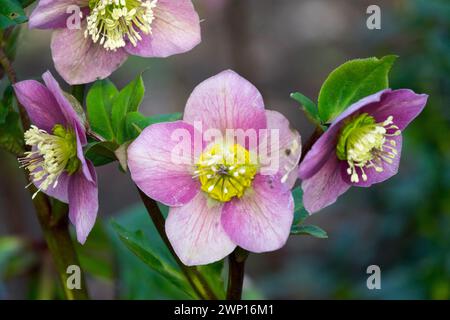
x,y
94,37
221,192
361,147
56,162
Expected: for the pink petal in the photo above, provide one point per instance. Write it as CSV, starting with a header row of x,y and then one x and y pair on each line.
x,y
40,104
323,188
261,220
78,60
283,149
226,101
156,171
373,176
195,232
85,168
72,118
176,29
403,104
52,14
83,204
61,190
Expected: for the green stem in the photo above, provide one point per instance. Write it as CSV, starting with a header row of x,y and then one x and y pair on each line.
x,y
194,277
56,231
55,226
236,269
11,74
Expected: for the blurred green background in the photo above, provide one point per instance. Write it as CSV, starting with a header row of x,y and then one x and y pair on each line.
x,y
281,46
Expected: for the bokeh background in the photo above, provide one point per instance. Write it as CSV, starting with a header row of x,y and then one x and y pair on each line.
x,y
281,46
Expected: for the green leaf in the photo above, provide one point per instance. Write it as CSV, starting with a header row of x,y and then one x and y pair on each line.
x,y
101,153
131,271
309,230
9,98
136,122
7,104
3,112
308,107
351,82
136,217
128,100
300,214
138,244
11,136
11,13
213,274
99,103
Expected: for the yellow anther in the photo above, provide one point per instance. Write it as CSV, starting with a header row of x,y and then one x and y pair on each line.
x,y
225,171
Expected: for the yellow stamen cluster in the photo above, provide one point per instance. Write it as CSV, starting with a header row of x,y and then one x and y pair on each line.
x,y
112,22
364,143
51,155
225,171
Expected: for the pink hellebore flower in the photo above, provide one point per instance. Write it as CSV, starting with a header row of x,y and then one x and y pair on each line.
x,y
216,202
94,37
360,148
56,162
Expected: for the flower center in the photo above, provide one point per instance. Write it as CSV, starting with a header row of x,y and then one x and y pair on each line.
x,y
51,155
225,171
114,21
364,143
